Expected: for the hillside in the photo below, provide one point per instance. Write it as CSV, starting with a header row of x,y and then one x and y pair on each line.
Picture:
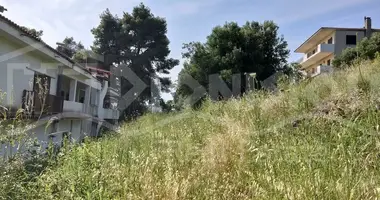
x,y
316,140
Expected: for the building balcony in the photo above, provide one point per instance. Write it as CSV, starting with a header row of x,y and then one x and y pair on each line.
x,y
36,104
107,113
72,106
321,52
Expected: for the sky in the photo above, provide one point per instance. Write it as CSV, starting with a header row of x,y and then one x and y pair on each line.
x,y
193,20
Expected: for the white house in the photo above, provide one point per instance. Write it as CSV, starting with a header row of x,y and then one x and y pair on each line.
x,y
320,49
75,98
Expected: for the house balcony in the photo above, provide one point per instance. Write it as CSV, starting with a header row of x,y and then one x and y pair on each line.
x,y
36,104
108,113
72,106
321,52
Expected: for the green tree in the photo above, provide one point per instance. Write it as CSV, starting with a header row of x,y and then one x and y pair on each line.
x,y
34,32
70,47
368,47
137,40
167,106
2,9
232,49
293,71
346,58
108,37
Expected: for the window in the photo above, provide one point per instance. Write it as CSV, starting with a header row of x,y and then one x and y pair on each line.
x,y
313,70
80,95
311,53
351,39
330,41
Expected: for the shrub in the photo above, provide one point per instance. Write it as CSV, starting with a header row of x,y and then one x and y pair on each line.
x,y
347,58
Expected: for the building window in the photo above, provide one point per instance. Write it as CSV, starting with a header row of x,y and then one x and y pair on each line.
x,y
313,70
351,39
311,53
81,95
330,41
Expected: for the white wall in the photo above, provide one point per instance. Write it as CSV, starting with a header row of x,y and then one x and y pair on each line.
x,y
23,67
76,131
73,126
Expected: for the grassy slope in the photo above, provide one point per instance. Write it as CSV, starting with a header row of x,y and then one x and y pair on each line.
x,y
317,140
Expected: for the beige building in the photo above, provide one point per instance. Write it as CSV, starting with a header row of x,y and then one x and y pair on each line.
x,y
320,49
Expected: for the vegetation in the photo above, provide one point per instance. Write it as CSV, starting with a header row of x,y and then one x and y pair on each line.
x,y
136,40
2,9
35,33
72,49
232,49
315,140
367,49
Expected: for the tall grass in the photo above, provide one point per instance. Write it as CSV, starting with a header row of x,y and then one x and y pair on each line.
x,y
22,158
316,140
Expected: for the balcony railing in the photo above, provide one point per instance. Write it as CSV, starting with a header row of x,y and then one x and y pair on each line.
x,y
37,104
109,113
72,106
322,51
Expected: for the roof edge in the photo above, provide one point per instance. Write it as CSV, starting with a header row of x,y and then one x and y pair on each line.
x,y
331,28
308,39
21,29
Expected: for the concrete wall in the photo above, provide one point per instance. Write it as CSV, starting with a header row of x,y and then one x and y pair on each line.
x,y
17,72
340,39
73,126
76,130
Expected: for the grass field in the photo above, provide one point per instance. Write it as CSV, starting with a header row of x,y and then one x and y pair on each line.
x,y
316,140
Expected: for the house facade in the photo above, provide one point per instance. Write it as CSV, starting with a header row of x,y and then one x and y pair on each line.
x,y
320,49
58,96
